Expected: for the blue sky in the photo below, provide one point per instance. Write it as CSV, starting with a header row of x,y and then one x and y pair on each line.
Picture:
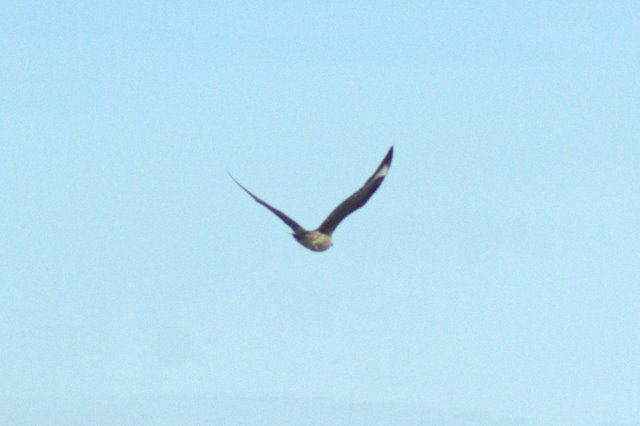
x,y
493,278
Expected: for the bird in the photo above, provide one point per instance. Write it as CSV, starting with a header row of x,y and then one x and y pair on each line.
x,y
319,239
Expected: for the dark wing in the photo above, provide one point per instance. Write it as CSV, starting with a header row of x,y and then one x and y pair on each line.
x,y
359,198
286,219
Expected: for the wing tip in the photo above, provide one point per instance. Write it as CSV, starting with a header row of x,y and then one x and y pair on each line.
x,y
388,157
385,165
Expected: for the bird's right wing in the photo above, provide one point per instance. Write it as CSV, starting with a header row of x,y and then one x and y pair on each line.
x,y
286,219
359,198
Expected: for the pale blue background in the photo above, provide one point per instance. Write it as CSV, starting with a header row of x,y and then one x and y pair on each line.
x,y
493,278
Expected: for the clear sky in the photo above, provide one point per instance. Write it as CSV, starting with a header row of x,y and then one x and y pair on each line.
x,y
494,278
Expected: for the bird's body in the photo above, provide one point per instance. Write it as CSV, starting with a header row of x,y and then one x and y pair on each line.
x,y
314,240
320,239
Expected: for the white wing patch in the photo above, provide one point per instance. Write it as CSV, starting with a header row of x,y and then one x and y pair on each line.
x,y
382,173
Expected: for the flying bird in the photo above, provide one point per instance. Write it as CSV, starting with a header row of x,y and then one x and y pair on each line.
x,y
320,238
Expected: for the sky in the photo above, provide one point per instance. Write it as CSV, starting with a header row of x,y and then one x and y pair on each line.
x,y
494,278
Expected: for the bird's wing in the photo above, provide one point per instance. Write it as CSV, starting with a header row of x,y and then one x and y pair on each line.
x,y
359,198
286,219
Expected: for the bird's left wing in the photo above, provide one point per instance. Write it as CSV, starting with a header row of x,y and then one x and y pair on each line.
x,y
286,219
